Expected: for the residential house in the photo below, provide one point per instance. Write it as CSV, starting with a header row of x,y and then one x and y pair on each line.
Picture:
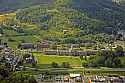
x,y
121,35
2,47
76,77
116,80
43,45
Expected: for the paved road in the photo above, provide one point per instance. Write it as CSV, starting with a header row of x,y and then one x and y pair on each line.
x,y
79,68
59,82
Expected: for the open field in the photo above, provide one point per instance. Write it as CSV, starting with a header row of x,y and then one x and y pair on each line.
x,y
44,59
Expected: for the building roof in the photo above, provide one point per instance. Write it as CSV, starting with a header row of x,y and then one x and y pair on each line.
x,y
26,45
2,46
74,75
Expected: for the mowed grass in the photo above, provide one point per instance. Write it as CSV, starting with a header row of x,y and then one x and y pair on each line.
x,y
18,39
48,59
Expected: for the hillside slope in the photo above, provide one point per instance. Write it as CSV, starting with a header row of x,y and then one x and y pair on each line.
x,y
110,11
64,21
9,5
57,23
105,10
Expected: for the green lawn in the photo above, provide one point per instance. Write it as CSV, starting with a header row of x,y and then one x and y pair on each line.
x,y
45,59
18,40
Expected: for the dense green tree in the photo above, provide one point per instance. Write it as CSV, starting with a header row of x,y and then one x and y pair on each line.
x,y
117,62
1,30
81,57
9,76
108,62
119,51
19,77
4,71
54,65
65,65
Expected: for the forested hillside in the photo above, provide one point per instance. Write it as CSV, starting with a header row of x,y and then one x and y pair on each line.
x,y
9,5
110,11
105,10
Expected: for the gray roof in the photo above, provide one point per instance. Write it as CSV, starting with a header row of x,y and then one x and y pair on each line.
x,y
2,46
26,45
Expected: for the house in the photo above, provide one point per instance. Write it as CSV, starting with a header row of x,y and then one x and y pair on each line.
x,y
2,47
59,78
116,80
7,51
71,53
98,79
118,1
87,44
43,45
66,78
121,35
76,77
50,52
65,31
73,46
26,46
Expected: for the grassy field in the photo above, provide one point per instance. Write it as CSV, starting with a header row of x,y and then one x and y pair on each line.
x,y
44,65
18,39
47,60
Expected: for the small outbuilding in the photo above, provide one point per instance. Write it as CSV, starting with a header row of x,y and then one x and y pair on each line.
x,y
26,46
